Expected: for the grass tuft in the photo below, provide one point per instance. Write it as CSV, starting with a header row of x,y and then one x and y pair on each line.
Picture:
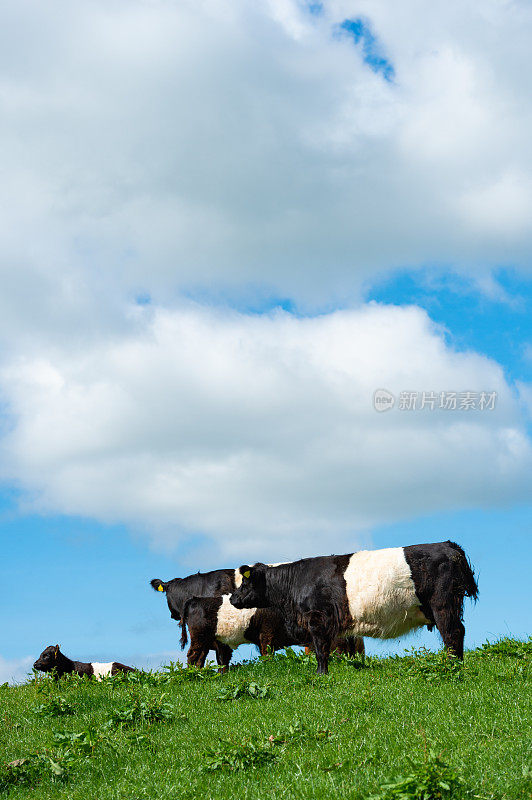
x,y
242,756
244,689
432,779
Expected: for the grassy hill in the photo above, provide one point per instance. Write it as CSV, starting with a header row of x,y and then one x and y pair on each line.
x,y
273,729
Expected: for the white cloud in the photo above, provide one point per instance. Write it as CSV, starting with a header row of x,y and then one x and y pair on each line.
x,y
224,147
163,146
258,431
503,207
15,670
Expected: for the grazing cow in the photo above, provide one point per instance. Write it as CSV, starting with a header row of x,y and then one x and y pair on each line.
x,y
379,593
214,619
52,658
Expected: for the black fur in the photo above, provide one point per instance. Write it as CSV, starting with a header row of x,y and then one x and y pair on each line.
x,y
202,584
311,594
53,660
443,576
266,630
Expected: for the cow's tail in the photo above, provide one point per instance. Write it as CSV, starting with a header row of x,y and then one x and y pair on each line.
x,y
183,621
466,571
158,585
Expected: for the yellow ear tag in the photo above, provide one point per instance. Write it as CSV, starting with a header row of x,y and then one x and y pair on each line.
x,y
246,574
160,588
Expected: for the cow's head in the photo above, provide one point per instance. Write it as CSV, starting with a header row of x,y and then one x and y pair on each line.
x,y
252,591
49,659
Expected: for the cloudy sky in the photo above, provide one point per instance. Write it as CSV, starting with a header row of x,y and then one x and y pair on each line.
x,y
223,227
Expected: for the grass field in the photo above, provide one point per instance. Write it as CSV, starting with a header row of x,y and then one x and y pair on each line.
x,y
273,729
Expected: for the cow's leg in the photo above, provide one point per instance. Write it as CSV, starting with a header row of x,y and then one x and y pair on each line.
x,y
197,652
266,643
451,629
322,648
340,646
355,646
320,629
446,606
223,655
359,646
352,646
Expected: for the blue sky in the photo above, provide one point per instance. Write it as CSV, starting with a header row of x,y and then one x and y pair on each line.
x,y
85,584
243,226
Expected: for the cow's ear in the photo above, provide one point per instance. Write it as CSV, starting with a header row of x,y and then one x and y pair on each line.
x,y
56,651
245,571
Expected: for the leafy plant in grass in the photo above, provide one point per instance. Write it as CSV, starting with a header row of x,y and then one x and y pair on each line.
x,y
357,661
55,707
506,646
141,678
48,684
31,770
434,667
81,744
245,689
299,732
176,670
143,710
431,780
298,658
237,756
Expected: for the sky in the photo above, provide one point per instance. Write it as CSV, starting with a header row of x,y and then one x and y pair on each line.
x,y
223,228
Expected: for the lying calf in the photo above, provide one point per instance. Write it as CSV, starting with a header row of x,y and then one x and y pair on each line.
x,y
214,619
53,659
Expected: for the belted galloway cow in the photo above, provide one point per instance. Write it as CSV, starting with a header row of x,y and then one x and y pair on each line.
x,y
202,584
213,616
53,660
378,593
214,620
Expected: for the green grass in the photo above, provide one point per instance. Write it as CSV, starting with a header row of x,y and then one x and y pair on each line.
x,y
420,726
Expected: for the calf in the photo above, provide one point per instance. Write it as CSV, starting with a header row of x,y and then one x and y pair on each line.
x,y
214,619
52,659
202,584
380,593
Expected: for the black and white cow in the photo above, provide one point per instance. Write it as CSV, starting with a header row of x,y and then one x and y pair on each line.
x,y
215,619
53,660
377,593
202,584
215,584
